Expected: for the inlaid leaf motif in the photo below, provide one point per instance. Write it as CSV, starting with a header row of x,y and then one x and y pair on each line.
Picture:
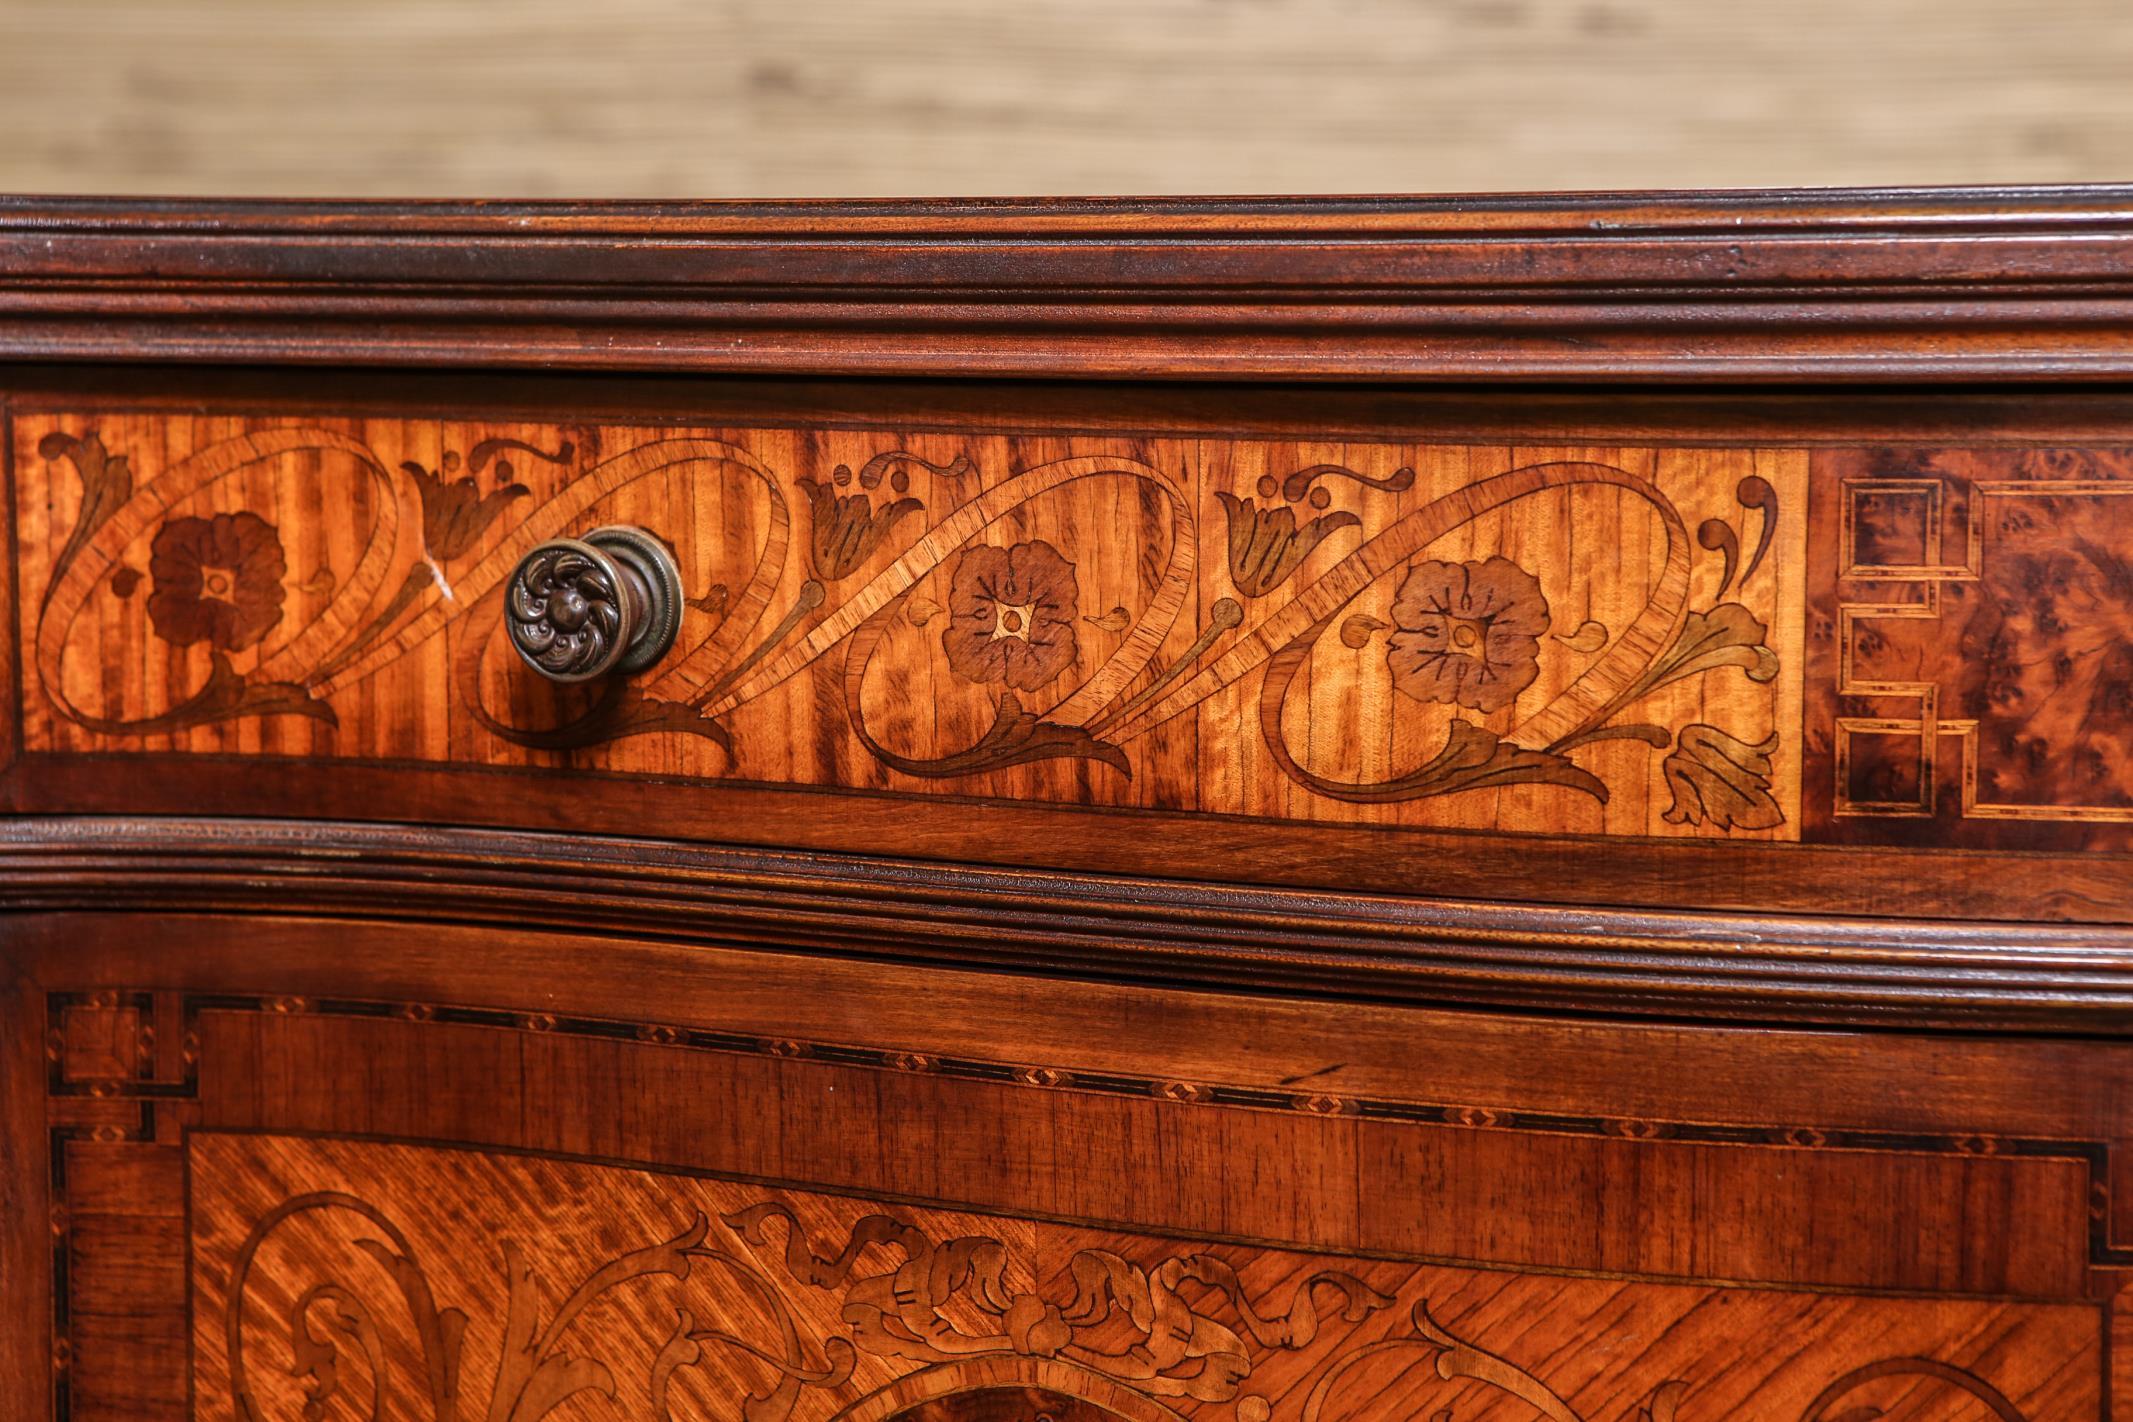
x,y
227,695
951,1298
1728,635
1456,1358
1665,1401
314,1359
534,1374
1589,637
678,1352
1115,621
106,484
1357,630
622,710
1018,736
313,1356
1475,758
1721,780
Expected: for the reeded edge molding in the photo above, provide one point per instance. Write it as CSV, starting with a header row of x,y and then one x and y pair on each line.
x,y
1860,285
1798,968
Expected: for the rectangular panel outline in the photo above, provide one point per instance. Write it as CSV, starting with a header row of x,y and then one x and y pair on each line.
x,y
1928,725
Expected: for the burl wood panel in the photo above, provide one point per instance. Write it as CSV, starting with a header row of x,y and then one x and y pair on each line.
x,y
1974,616
409,1209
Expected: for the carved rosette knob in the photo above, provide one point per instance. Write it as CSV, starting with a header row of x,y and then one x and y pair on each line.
x,y
582,608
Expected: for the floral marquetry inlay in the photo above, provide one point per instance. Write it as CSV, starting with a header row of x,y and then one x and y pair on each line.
x,y
217,580
1011,615
339,1279
1469,633
1467,638
1872,645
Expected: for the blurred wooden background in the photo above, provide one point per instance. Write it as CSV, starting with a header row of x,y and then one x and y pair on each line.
x,y
726,98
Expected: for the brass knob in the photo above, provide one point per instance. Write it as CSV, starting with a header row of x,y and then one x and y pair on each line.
x,y
579,608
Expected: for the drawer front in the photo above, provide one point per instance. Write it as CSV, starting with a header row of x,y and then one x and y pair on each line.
x,y
349,1171
1122,899
1579,656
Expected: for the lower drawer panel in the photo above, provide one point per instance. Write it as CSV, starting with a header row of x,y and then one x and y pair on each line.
x,y
327,1271
288,1178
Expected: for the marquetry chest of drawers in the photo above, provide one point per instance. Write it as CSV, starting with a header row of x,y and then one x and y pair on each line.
x,y
1320,811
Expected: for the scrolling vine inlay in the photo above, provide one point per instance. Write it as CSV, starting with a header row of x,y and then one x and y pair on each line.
x,y
1464,637
368,1280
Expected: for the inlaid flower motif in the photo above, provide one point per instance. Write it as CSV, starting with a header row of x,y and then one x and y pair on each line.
x,y
1468,633
1011,615
217,580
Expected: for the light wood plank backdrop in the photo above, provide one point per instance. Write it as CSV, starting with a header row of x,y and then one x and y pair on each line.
x,y
714,98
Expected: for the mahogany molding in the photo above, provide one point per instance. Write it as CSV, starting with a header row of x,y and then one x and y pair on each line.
x,y
1897,285
1794,968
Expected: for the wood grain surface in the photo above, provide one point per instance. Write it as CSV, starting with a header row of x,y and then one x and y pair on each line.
x,y
1361,633
1130,902
1936,968
761,98
1925,286
1585,643
1153,1201
882,1308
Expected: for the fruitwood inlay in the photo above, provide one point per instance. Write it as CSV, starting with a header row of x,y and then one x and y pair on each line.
x,y
1589,641
1886,645
219,1116
332,1275
1162,901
